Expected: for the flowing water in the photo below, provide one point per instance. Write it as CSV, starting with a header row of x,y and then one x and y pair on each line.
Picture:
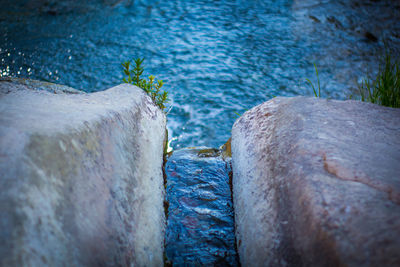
x,y
200,227
217,59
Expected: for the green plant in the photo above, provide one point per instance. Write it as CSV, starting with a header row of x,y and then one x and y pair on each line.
x,y
385,89
312,85
151,87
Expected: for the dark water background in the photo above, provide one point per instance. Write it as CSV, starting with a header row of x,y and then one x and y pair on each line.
x,y
216,57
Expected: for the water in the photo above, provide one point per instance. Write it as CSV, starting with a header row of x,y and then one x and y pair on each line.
x,y
200,229
217,58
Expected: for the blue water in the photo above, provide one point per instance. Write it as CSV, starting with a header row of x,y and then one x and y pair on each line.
x,y
200,229
217,58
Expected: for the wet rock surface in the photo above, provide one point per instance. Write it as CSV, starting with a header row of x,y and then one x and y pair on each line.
x,y
81,178
200,227
316,183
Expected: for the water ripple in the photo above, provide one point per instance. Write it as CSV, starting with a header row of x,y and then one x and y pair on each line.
x,y
216,57
200,229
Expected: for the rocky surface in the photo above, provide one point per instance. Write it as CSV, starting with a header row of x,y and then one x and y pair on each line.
x,y
36,85
81,178
317,183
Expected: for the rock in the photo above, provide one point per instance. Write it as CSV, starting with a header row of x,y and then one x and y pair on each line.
x,y
370,37
335,22
317,183
226,151
38,85
81,178
315,19
208,152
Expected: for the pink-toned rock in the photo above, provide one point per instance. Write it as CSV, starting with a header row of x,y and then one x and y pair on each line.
x,y
317,183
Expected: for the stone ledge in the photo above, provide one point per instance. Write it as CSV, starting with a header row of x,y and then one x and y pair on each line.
x,y
81,178
317,183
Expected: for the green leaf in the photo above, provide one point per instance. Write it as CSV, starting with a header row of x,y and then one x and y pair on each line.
x,y
312,86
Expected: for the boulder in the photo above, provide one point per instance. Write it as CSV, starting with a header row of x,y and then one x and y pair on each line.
x,y
81,177
36,85
316,182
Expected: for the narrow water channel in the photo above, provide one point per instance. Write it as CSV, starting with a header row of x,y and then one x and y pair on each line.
x,y
200,225
217,59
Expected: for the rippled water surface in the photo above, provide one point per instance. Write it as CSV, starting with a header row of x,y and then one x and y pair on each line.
x,y
217,58
200,230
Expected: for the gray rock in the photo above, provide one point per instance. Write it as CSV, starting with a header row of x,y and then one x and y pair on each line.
x,y
317,183
81,178
36,85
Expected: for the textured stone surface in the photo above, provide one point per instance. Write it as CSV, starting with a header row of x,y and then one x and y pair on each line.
x,y
36,85
317,183
81,178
